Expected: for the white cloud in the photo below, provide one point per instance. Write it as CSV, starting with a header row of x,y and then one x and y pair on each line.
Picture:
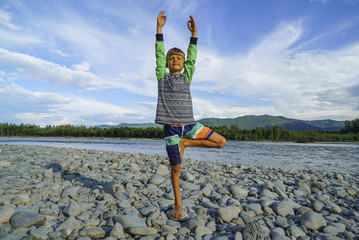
x,y
45,108
206,108
296,82
115,50
53,73
5,20
179,8
59,52
83,67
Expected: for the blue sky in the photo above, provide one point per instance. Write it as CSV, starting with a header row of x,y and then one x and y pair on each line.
x,y
92,62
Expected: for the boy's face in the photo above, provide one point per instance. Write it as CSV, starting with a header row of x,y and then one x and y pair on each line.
x,y
175,63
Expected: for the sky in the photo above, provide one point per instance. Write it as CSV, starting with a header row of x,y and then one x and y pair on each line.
x,y
93,62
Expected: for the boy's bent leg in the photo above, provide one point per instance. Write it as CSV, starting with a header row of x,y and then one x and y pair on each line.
x,y
214,141
175,179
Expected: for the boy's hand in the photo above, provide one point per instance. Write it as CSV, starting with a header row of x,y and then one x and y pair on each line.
x,y
161,21
191,24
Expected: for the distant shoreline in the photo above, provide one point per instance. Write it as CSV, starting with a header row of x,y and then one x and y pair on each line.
x,y
124,138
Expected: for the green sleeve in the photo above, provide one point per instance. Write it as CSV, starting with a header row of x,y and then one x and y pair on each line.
x,y
160,60
190,61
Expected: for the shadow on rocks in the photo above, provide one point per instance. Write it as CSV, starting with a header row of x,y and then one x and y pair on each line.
x,y
88,182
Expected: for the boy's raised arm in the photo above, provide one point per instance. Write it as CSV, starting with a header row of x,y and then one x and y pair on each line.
x,y
160,48
161,21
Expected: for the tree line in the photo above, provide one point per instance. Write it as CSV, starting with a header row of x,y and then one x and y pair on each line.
x,y
349,133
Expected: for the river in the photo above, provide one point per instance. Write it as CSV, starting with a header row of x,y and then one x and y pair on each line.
x,y
327,157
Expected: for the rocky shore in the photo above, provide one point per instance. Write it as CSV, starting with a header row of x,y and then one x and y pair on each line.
x,y
65,193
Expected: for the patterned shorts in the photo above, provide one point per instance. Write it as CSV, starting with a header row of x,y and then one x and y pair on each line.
x,y
174,133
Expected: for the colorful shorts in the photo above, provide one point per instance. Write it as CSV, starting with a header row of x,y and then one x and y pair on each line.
x,y
174,133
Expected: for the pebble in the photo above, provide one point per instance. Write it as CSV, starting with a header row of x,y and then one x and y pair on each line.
x,y
312,220
65,193
26,219
227,214
6,213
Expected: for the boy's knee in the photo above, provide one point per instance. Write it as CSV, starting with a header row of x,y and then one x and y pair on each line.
x,y
222,142
176,169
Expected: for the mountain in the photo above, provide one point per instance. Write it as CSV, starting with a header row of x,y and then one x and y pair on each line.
x,y
253,121
268,121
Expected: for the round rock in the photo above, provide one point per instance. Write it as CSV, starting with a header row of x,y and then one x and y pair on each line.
x,y
228,213
156,179
26,219
312,220
284,208
6,213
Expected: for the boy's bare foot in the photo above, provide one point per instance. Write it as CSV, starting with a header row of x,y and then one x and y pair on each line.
x,y
177,211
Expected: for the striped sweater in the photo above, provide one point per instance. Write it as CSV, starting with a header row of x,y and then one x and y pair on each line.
x,y
174,104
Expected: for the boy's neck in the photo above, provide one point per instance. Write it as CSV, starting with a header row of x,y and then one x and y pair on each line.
x,y
176,72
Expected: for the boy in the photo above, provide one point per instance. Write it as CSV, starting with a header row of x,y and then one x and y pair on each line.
x,y
174,105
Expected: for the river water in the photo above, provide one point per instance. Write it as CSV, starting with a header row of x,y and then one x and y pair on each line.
x,y
327,157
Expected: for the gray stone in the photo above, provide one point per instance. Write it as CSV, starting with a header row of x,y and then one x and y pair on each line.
x,y
278,236
189,177
165,229
124,204
6,213
268,185
281,222
295,231
280,192
317,206
208,204
227,214
331,230
163,170
120,195
70,223
207,190
195,222
93,232
26,219
255,207
73,209
305,189
156,179
312,220
54,234
117,231
254,231
83,238
279,184
334,208
146,211
237,190
269,194
340,226
128,221
143,231
39,233
283,208
201,230
4,164
188,186
211,226
245,217
238,236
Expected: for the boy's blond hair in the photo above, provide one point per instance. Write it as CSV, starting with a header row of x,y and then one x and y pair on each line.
x,y
174,51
